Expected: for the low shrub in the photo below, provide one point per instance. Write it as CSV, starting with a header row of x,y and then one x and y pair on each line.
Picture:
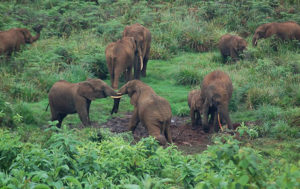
x,y
97,65
188,77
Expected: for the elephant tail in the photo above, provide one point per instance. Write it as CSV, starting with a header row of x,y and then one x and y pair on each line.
x,y
47,108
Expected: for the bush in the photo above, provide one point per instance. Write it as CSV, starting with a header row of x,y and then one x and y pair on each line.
x,y
258,96
97,65
188,77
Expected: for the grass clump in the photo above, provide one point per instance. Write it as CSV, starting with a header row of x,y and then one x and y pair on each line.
x,y
188,77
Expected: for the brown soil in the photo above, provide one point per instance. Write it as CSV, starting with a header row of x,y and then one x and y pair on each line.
x,y
186,138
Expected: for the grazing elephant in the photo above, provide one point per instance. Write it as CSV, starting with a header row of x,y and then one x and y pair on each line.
x,y
143,37
195,104
216,91
232,45
283,30
120,58
11,40
69,98
151,110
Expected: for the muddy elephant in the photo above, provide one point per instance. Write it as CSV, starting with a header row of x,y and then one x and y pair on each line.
x,y
143,37
69,98
153,111
216,92
12,40
121,57
283,30
195,104
232,46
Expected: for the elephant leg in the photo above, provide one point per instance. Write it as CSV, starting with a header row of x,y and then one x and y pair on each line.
x,y
111,78
192,115
83,113
129,73
234,55
205,117
168,134
156,131
117,73
59,117
88,104
137,68
145,66
215,122
198,118
224,114
134,121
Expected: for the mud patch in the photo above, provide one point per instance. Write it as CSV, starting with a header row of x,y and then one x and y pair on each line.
x,y
188,140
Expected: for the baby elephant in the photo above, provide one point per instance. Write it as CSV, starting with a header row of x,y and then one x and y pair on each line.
x,y
69,98
153,111
195,104
216,91
232,45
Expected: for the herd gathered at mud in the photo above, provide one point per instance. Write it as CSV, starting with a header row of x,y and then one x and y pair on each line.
x,y
208,106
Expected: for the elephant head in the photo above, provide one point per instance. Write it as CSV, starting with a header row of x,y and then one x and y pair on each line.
x,y
95,88
262,31
194,100
28,38
132,88
241,45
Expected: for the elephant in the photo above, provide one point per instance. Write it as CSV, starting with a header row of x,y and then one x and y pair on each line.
x,y
232,45
121,56
284,30
143,37
153,111
195,104
69,98
216,92
11,40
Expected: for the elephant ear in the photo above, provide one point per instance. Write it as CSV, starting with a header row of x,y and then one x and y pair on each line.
x,y
86,90
26,34
134,96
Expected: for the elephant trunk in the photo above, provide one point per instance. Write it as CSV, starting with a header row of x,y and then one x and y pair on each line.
x,y
254,41
110,92
116,106
37,29
123,90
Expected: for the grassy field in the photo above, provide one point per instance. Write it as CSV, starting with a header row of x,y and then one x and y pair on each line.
x,y
185,33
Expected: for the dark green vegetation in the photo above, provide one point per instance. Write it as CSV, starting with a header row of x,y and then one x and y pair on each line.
x,y
185,34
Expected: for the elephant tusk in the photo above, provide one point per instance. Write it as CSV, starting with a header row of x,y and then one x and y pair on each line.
x,y
220,122
119,96
141,62
115,97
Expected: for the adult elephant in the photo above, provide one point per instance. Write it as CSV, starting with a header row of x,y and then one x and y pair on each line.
x,y
283,30
195,104
216,92
151,110
143,37
231,45
69,98
120,58
12,40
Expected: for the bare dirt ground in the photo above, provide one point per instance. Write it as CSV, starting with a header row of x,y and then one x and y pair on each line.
x,y
188,140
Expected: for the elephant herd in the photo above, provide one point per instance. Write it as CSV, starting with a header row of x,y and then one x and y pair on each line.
x,y
153,111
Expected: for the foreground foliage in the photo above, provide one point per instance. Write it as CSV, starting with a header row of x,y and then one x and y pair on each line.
x,y
63,158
